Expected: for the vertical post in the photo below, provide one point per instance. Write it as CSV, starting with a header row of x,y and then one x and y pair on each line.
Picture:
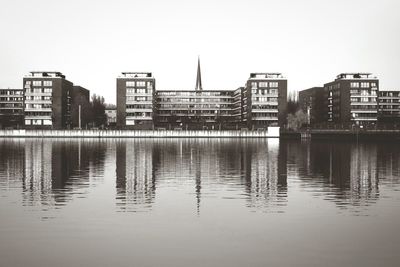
x,y
80,117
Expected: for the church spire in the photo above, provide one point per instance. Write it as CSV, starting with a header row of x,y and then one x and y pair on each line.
x,y
199,87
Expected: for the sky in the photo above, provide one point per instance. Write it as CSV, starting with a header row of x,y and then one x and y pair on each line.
x,y
92,42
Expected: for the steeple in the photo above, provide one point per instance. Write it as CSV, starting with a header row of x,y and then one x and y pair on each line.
x,y
199,87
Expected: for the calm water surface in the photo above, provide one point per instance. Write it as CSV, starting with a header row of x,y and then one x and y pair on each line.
x,y
208,202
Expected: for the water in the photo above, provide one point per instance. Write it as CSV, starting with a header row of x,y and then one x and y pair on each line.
x,y
207,202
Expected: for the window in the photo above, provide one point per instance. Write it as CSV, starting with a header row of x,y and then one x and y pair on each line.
x,y
273,84
253,85
273,91
364,85
37,83
47,90
354,85
47,83
130,83
263,84
140,83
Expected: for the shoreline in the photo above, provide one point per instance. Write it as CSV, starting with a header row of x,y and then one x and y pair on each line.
x,y
272,132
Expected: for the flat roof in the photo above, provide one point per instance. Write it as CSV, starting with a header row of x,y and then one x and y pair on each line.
x,y
355,75
266,75
137,74
47,74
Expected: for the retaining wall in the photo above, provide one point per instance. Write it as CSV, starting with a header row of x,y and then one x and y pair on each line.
x,y
271,132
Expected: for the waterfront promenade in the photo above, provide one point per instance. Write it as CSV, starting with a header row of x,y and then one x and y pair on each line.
x,y
272,132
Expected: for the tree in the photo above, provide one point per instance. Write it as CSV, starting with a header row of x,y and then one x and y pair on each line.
x,y
98,111
292,104
297,120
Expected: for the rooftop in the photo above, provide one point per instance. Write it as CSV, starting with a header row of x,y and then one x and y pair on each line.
x,y
50,74
136,75
355,75
266,75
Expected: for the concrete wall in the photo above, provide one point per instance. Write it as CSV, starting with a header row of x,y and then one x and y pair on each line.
x,y
272,132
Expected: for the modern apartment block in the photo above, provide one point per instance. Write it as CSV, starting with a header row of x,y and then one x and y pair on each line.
x,y
49,99
11,108
135,100
265,100
389,106
311,101
261,103
352,98
205,108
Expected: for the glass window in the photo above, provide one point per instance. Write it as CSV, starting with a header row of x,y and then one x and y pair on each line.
x,y
263,84
354,85
273,84
130,83
37,83
364,84
48,83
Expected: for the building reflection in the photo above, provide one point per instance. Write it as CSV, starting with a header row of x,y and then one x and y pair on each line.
x,y
388,163
253,168
55,170
264,165
135,179
344,172
11,163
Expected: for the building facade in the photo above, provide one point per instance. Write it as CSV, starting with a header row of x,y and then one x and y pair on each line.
x,y
311,101
111,113
259,104
352,98
80,107
389,107
204,109
11,108
135,100
50,101
265,100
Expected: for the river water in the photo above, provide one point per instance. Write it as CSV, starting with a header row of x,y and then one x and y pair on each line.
x,y
205,202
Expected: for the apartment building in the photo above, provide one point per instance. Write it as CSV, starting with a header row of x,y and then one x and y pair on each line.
x,y
352,98
135,100
11,108
265,100
49,100
205,108
389,106
311,101
262,102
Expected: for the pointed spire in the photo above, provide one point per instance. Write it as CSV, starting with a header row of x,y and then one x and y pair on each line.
x,y
199,87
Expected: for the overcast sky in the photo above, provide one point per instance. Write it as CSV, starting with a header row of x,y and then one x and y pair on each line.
x,y
91,42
